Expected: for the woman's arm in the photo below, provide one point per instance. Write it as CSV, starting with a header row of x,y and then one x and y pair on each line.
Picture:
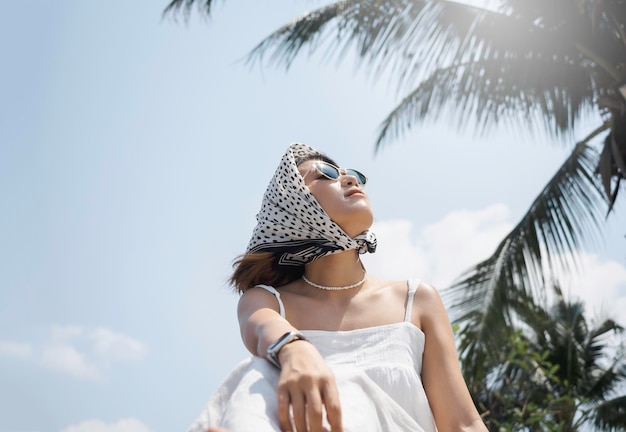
x,y
260,322
445,387
306,383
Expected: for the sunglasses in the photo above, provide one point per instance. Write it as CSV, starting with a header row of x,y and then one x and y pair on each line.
x,y
332,172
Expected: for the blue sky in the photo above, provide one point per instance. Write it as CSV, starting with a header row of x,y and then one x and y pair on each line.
x,y
134,152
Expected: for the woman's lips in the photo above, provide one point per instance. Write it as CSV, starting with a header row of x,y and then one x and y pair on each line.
x,y
354,191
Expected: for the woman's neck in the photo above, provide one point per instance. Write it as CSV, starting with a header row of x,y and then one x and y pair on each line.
x,y
336,270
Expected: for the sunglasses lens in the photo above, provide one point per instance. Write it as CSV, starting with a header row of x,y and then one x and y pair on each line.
x,y
361,179
333,173
328,170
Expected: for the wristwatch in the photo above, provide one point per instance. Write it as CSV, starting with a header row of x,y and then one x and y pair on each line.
x,y
275,347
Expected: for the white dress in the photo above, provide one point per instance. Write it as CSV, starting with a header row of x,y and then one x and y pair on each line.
x,y
378,375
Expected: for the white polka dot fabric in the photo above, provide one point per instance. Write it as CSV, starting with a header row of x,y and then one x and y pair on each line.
x,y
293,224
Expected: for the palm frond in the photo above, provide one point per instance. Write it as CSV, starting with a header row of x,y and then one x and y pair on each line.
x,y
603,381
379,30
513,92
607,326
551,358
478,50
421,34
499,62
185,6
610,415
564,214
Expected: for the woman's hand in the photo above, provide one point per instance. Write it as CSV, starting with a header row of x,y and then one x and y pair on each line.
x,y
306,384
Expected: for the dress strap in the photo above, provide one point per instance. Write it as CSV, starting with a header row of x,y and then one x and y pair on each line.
x,y
277,294
412,285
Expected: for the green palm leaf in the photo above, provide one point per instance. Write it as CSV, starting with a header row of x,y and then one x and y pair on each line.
x,y
565,212
610,415
526,60
511,92
552,359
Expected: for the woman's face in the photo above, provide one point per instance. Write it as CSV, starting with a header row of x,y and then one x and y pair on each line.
x,y
343,199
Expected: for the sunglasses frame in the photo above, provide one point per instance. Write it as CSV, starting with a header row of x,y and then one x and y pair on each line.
x,y
360,177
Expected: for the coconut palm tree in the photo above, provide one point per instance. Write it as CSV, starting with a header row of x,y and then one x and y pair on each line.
x,y
557,371
535,65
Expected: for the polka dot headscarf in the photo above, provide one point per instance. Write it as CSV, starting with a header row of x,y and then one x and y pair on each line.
x,y
293,224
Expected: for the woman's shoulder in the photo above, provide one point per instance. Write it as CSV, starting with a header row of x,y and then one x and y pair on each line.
x,y
427,292
427,298
429,306
260,296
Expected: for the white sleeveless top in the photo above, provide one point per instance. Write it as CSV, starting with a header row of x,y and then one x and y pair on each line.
x,y
378,375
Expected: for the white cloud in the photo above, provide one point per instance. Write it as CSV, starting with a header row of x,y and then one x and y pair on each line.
x,y
441,251
112,346
397,253
600,284
87,354
95,425
15,349
61,356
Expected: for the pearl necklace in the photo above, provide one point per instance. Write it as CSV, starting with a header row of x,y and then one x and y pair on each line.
x,y
335,288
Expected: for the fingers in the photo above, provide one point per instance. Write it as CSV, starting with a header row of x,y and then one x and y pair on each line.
x,y
306,388
314,411
283,408
299,415
330,397
306,408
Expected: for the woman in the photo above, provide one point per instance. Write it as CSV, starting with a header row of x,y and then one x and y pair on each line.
x,y
333,347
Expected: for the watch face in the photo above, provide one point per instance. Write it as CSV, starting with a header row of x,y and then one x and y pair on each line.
x,y
275,348
282,338
279,342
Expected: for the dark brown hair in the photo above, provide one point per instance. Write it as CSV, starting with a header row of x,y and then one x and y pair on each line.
x,y
262,267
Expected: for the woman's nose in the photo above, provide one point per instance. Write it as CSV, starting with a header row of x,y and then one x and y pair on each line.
x,y
348,179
